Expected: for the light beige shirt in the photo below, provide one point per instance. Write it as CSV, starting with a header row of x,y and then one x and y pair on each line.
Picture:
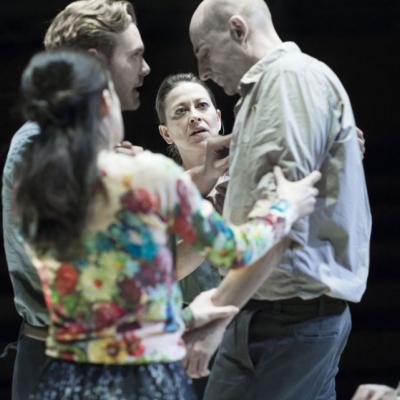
x,y
294,112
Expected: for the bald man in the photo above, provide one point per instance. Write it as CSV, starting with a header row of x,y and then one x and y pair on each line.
x,y
293,112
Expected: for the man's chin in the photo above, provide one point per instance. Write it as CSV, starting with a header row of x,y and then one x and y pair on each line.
x,y
229,91
131,105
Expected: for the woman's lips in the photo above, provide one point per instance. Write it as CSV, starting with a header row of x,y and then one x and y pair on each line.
x,y
197,131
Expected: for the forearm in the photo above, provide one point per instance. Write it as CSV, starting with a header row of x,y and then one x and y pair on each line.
x,y
187,260
240,284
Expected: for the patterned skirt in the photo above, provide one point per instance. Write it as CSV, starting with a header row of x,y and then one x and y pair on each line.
x,y
62,380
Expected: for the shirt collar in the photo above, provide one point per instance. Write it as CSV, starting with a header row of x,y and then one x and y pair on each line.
x,y
253,74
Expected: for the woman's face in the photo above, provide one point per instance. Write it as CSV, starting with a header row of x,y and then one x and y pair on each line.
x,y
191,118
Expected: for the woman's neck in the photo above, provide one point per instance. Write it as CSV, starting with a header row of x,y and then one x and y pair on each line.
x,y
192,159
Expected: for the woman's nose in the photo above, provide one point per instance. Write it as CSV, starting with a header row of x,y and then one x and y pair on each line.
x,y
194,117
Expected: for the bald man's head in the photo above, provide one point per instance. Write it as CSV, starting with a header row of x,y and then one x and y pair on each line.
x,y
228,37
216,13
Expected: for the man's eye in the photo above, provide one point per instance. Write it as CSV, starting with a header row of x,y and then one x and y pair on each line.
x,y
134,56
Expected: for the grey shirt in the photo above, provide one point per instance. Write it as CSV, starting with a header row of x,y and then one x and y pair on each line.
x,y
294,112
28,297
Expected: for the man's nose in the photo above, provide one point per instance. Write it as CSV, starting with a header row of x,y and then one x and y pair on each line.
x,y
204,72
145,68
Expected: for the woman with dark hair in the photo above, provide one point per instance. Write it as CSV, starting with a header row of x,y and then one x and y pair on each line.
x,y
188,117
98,226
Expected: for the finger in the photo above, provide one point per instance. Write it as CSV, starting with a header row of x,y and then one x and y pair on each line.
x,y
188,360
126,151
123,150
360,133
203,370
376,396
210,292
382,394
185,362
193,365
137,149
279,177
314,192
312,178
126,143
361,394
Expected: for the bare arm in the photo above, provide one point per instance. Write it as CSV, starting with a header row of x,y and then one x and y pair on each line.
x,y
236,289
239,285
187,260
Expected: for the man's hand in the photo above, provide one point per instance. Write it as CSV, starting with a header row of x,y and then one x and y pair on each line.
x,y
374,392
128,148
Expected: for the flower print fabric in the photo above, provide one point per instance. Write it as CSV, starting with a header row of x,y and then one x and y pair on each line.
x,y
119,303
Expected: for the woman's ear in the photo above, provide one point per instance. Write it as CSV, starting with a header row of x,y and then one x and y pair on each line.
x,y
165,134
219,119
105,103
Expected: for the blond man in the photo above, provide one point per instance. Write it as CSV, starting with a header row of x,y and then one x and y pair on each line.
x,y
108,30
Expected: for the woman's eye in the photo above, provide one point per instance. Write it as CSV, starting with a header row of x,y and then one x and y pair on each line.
x,y
179,111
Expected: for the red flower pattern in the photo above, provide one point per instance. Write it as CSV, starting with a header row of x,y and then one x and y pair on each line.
x,y
105,314
66,279
140,200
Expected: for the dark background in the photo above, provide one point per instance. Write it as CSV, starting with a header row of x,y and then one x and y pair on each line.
x,y
359,39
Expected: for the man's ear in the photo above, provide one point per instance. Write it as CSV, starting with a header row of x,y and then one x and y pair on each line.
x,y
105,103
238,28
98,54
165,134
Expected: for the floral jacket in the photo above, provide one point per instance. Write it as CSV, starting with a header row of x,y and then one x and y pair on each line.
x,y
119,302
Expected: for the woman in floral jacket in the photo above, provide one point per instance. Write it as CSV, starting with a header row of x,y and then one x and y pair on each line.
x,y
98,226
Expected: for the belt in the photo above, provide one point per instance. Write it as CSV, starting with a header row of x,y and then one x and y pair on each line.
x,y
35,332
320,305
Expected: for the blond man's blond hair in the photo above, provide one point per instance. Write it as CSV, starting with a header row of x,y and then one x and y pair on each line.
x,y
87,24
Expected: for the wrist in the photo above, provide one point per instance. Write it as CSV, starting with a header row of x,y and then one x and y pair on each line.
x,y
281,214
202,179
188,318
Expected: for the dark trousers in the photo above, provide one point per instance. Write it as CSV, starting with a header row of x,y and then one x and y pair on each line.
x,y
29,363
287,350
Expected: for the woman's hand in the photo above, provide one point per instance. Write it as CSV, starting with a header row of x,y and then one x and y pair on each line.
x,y
128,148
204,310
201,344
300,194
216,161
